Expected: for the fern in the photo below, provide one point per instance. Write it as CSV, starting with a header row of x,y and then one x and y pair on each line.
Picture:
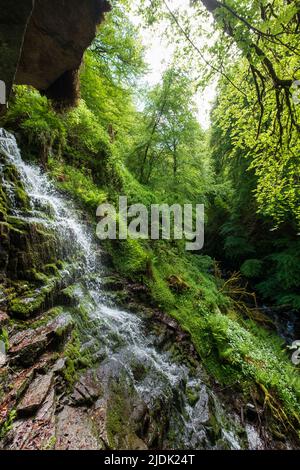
x,y
252,268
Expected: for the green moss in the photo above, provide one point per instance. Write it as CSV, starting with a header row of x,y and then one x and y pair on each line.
x,y
160,291
32,302
192,396
130,257
76,360
51,270
72,355
11,174
115,421
47,316
26,307
3,204
4,337
50,445
78,184
7,425
21,197
68,296
17,224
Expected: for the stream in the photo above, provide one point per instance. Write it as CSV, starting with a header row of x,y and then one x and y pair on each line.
x,y
123,341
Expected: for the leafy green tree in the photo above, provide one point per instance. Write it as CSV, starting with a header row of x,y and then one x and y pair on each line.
x,y
171,154
254,48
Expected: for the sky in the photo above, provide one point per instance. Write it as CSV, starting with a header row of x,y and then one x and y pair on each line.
x,y
159,55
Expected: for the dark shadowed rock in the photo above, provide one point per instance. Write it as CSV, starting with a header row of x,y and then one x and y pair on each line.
x,y
4,319
14,19
42,41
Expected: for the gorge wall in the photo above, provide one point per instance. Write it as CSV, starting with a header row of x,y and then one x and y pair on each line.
x,y
42,43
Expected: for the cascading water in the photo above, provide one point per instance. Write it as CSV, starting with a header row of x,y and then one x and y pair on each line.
x,y
123,338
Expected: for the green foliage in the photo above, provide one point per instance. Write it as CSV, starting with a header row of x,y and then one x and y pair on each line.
x,y
84,132
4,337
156,152
34,116
252,268
282,277
171,155
249,353
274,164
76,360
129,256
118,49
7,425
78,184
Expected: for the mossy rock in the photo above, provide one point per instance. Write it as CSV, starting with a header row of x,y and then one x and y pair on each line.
x,y
34,301
51,270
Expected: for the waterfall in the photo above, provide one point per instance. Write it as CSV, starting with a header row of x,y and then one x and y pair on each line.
x,y
121,337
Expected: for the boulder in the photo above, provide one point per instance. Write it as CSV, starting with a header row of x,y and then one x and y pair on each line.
x,y
35,395
59,365
26,346
87,389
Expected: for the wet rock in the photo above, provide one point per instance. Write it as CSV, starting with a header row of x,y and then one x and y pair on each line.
x,y
252,412
109,425
19,382
99,418
202,410
254,440
121,415
26,346
60,328
35,300
4,319
35,395
75,431
113,283
37,433
59,365
166,320
86,390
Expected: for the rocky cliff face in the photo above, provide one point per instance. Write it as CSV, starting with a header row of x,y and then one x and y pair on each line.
x,y
14,18
42,43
